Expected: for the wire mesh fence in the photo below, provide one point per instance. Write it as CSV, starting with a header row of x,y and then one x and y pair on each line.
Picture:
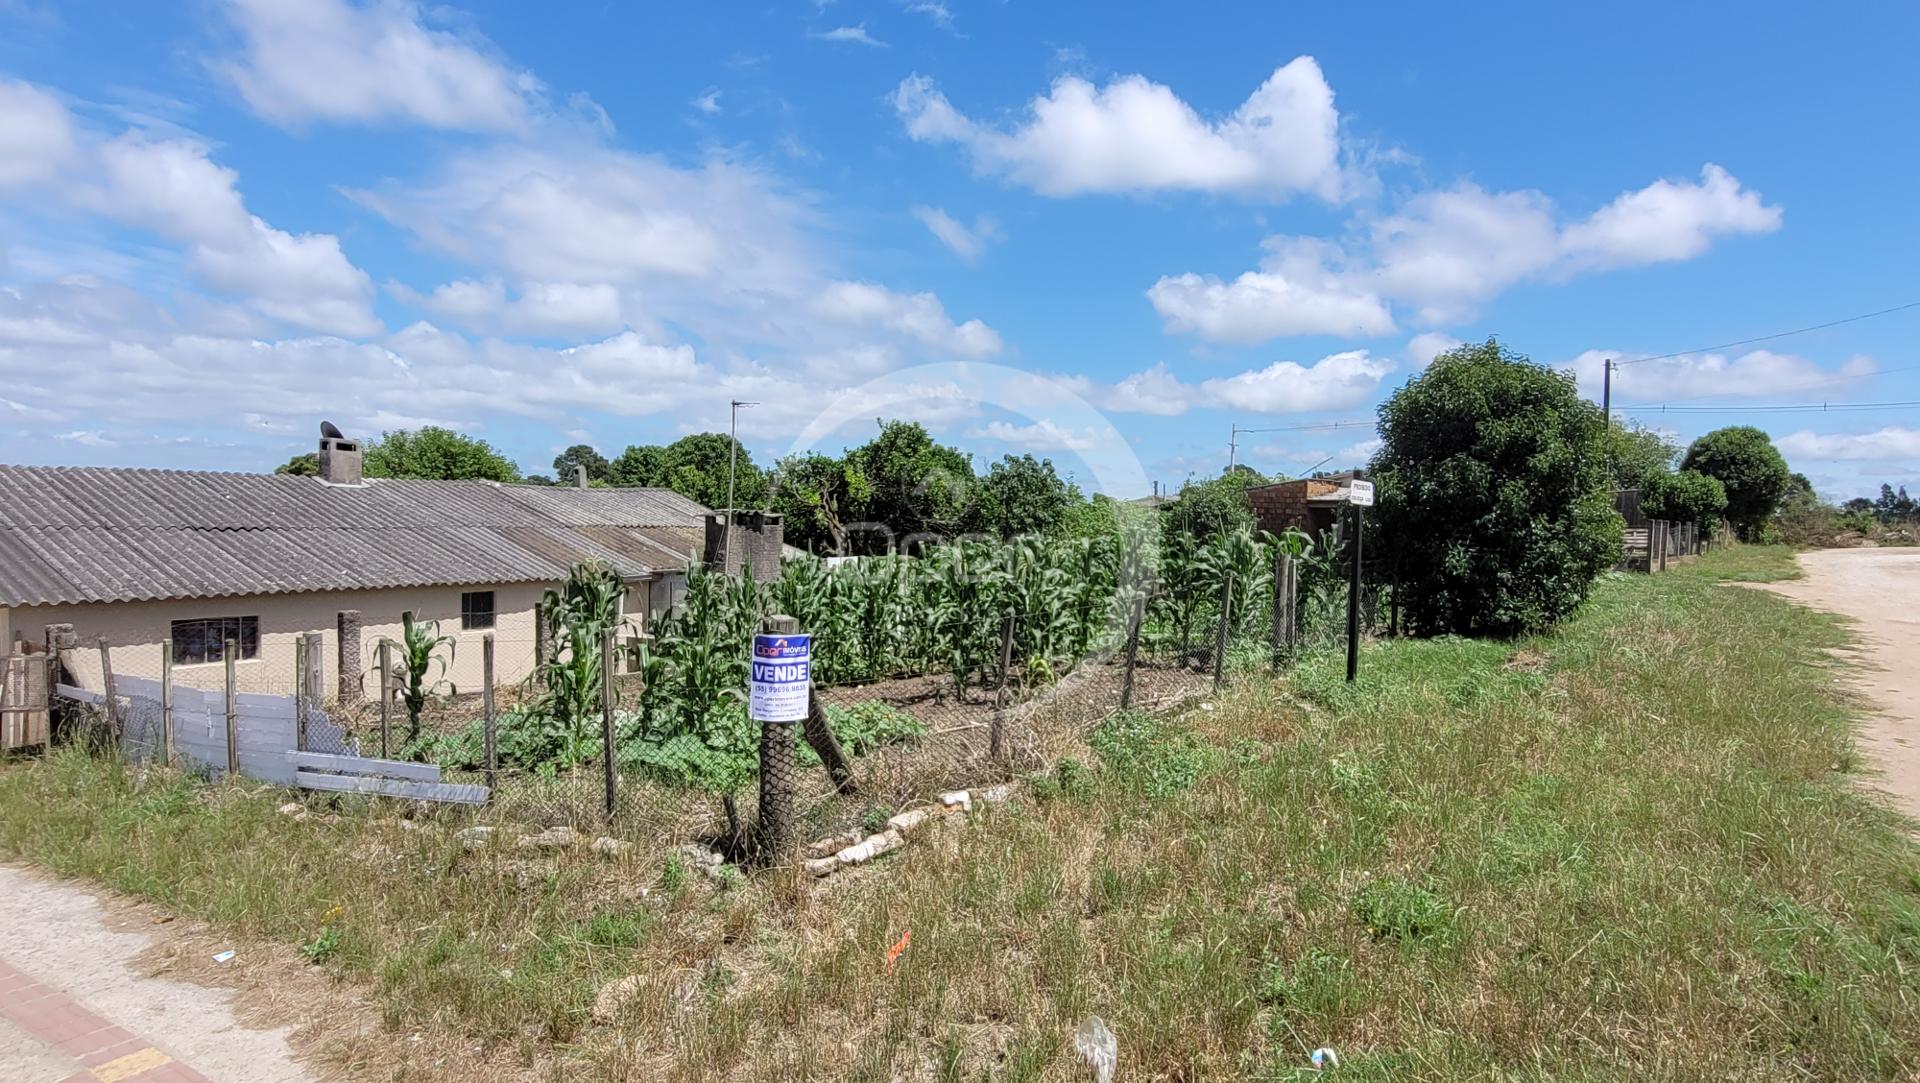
x,y
925,680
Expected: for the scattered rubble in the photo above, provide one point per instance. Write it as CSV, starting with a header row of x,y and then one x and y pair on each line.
x,y
614,996
474,838
553,838
608,846
828,855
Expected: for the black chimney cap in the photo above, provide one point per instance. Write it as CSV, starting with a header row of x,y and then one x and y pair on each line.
x,y
330,431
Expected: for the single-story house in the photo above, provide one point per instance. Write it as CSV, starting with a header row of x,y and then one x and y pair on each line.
x,y
1310,505
142,557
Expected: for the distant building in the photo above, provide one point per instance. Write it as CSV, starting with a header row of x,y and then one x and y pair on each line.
x,y
195,559
1311,505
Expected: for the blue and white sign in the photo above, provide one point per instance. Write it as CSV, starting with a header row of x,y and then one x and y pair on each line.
x,y
782,670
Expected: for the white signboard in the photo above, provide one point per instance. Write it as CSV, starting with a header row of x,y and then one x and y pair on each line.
x,y
1360,493
781,672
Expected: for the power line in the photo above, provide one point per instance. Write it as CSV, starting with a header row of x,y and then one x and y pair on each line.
x,y
1774,409
1828,382
1775,335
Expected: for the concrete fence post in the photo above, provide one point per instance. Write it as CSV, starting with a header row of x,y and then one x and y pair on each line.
x,y
774,833
347,648
228,654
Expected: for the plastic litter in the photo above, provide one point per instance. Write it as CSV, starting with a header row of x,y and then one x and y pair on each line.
x,y
898,948
1096,1045
224,957
1324,1058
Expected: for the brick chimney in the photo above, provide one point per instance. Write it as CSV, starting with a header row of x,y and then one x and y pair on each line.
x,y
340,461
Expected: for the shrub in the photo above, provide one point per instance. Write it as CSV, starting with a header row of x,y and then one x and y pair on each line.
x,y
1684,497
1393,908
1750,468
1494,494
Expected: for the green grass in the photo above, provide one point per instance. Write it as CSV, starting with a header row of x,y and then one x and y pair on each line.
x,y
1627,850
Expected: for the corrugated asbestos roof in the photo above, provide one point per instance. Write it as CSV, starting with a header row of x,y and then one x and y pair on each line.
x,y
104,534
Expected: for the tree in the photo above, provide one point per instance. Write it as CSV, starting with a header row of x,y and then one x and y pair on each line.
x,y
567,464
1895,506
1207,509
1637,454
437,454
1021,495
816,495
1686,496
1494,494
304,465
1755,475
916,490
696,468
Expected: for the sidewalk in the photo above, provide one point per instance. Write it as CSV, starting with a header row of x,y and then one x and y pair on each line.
x,y
74,1009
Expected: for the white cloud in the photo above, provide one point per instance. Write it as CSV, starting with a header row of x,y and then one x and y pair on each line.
x,y
969,243
1335,382
855,35
917,315
935,10
1135,135
708,101
589,214
1042,435
329,60
1445,252
1895,443
1263,305
87,438
565,308
37,139
1151,391
1711,375
173,189
1427,345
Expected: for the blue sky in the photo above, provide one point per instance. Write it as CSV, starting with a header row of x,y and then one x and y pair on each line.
x,y
223,221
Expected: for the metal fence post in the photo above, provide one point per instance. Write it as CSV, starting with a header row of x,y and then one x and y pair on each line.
x,y
386,695
1135,617
166,701
774,834
606,721
486,707
1220,633
227,654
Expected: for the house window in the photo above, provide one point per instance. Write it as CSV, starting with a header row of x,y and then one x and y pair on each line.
x,y
476,609
196,642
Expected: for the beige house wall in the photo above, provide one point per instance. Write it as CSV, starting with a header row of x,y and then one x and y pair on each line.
x,y
135,630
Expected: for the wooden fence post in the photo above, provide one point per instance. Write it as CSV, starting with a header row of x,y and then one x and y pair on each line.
x,y
486,707
1136,616
1220,633
606,722
1285,606
106,682
820,735
540,643
166,701
228,652
1006,661
300,694
385,656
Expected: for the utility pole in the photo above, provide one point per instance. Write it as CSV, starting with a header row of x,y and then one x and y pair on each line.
x,y
733,452
1233,446
1606,393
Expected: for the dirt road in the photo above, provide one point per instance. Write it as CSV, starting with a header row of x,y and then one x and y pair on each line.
x,y
1879,588
74,1007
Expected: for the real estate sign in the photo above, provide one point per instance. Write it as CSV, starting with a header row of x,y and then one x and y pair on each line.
x,y
781,673
1360,493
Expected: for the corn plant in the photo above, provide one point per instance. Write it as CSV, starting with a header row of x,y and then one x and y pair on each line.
x,y
421,667
580,614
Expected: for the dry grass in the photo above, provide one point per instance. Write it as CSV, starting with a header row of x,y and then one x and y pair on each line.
x,y
1627,850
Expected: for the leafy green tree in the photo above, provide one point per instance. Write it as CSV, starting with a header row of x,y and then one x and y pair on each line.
x,y
1686,496
1755,475
567,464
304,465
1494,494
1895,506
817,495
696,468
1207,509
1021,495
916,488
1637,454
436,454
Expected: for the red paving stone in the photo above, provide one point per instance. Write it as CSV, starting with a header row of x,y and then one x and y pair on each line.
x,y
63,1024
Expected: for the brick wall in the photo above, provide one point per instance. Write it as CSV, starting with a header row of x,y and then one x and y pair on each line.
x,y
1284,504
